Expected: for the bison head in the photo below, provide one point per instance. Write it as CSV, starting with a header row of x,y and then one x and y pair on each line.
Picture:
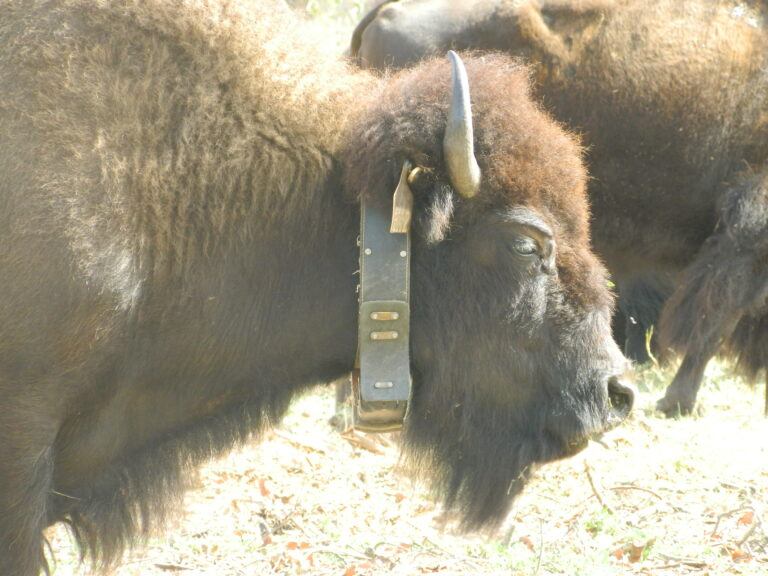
x,y
399,33
511,352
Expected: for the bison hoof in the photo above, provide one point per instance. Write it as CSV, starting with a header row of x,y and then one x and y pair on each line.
x,y
673,406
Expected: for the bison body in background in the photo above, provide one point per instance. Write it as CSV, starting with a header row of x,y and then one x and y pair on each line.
x,y
179,207
672,99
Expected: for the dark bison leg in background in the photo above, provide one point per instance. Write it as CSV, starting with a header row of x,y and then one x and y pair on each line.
x,y
680,397
636,347
26,472
641,300
725,285
701,314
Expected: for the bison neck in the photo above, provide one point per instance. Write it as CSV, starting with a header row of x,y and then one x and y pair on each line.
x,y
226,343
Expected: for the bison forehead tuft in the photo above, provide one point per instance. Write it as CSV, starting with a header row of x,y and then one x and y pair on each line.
x,y
526,157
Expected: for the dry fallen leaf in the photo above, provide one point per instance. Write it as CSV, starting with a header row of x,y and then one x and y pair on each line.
x,y
528,542
636,550
739,555
747,518
361,441
633,551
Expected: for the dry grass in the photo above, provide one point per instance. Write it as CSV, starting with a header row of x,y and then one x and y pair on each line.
x,y
666,497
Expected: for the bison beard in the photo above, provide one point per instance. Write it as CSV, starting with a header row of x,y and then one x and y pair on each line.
x,y
679,164
179,208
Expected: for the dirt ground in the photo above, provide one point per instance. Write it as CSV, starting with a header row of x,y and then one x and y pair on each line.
x,y
657,496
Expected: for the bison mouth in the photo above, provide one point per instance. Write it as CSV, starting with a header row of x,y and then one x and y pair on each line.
x,y
620,401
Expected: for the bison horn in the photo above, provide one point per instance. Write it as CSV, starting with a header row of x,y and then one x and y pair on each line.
x,y
458,144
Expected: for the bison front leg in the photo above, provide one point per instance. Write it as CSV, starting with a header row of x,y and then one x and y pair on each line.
x,y
26,471
680,396
725,284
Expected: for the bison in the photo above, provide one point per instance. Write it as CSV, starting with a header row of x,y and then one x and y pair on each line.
x,y
672,99
180,200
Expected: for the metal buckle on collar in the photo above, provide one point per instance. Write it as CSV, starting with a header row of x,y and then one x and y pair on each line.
x,y
382,388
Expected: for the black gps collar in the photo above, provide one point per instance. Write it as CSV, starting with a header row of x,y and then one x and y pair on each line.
x,y
381,384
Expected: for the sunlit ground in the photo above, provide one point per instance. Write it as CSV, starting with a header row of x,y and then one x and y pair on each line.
x,y
666,497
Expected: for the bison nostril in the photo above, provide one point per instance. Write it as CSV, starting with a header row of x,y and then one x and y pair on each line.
x,y
621,397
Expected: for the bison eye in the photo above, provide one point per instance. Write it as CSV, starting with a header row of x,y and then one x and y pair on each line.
x,y
525,246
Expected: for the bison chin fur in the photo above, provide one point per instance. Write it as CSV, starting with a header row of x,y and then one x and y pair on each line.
x,y
478,474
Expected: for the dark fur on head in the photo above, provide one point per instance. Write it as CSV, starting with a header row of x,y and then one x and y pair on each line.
x,y
466,433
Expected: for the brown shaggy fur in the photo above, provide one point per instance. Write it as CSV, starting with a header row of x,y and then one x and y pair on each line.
x,y
178,214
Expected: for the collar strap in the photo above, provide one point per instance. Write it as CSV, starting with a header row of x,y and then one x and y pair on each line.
x,y
382,389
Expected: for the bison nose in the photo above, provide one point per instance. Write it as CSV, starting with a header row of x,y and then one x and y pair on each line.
x,y
621,398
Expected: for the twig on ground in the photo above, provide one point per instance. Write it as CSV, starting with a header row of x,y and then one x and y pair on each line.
x,y
648,491
357,439
341,554
299,443
692,562
638,488
594,488
734,486
724,515
541,546
172,567
547,497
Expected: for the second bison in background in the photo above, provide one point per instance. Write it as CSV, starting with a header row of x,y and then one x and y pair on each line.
x,y
671,96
